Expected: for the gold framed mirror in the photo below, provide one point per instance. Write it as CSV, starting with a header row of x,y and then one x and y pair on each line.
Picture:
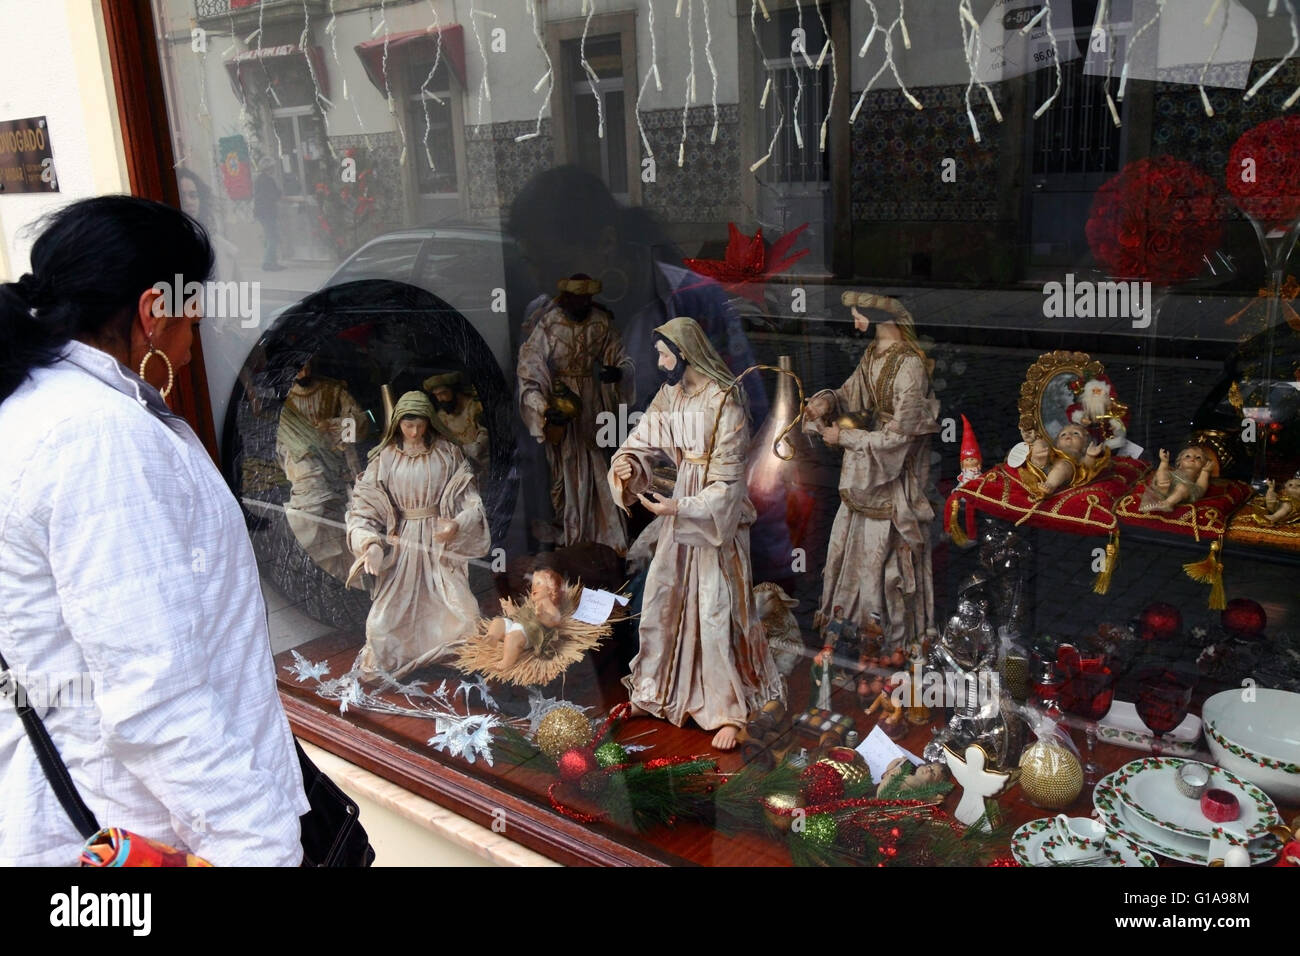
x,y
1046,396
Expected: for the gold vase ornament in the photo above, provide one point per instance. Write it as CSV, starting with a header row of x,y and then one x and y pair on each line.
x,y
1050,775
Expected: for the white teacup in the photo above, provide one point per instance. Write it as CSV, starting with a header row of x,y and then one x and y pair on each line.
x,y
1079,837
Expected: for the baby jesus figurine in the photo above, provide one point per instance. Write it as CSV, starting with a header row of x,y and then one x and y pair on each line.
x,y
1185,483
1074,460
1280,509
535,641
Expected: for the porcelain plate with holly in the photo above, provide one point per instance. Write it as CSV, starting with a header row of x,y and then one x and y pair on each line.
x,y
1149,789
1031,845
1116,815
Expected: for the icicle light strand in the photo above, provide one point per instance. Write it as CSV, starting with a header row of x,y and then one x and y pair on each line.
x,y
713,70
1056,60
767,87
690,77
425,93
1295,44
1128,51
645,81
1205,68
547,78
593,81
798,76
829,46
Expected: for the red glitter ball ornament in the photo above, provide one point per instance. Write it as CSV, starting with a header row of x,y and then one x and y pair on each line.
x,y
576,763
822,784
1244,619
1160,622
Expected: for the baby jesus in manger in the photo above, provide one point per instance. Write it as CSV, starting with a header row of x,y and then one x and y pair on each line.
x,y
535,640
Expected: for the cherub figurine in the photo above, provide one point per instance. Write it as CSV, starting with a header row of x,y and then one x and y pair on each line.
x,y
1074,460
535,640
1280,509
1185,483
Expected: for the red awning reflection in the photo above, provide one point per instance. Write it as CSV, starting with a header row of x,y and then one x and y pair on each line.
x,y
421,43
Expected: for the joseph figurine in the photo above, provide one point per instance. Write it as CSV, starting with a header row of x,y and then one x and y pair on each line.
x,y
878,558
703,653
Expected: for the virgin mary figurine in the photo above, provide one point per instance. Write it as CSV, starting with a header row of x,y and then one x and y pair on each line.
x,y
415,522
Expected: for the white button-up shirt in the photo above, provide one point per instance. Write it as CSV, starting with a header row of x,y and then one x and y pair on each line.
x,y
130,608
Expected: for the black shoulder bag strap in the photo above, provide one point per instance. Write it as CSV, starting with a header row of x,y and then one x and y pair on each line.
x,y
56,771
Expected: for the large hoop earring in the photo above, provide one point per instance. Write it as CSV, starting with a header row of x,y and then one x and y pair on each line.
x,y
166,389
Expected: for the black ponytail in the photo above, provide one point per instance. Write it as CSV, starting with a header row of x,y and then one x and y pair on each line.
x,y
91,263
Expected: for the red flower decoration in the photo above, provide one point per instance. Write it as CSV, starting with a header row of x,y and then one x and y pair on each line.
x,y
1263,172
749,263
1154,221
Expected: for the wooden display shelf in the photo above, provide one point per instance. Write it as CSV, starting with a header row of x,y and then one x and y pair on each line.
x,y
395,748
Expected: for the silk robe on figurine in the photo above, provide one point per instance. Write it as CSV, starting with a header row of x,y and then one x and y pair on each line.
x,y
703,653
564,350
423,607
878,559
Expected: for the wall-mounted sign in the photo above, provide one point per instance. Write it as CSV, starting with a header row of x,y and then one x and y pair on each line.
x,y
26,157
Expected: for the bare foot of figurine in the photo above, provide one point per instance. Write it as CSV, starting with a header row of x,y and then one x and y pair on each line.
x,y
635,711
725,739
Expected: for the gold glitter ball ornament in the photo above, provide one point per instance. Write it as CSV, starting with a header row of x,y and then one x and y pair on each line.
x,y
564,728
848,763
1050,775
775,803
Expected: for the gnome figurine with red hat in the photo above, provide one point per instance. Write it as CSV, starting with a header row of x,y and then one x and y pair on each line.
x,y
972,462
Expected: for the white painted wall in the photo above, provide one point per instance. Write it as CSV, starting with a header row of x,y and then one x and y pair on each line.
x,y
54,63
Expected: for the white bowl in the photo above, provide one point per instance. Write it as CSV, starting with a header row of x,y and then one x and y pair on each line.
x,y
1259,739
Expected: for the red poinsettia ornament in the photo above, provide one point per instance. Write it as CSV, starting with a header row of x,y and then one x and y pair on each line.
x,y
1263,172
1154,221
749,262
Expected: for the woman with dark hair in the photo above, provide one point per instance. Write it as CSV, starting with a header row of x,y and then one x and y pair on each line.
x,y
124,562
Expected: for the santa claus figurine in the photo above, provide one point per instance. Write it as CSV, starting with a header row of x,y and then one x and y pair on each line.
x,y
1099,411
972,462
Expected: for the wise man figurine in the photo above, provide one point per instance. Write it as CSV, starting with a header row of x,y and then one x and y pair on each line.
x,y
878,557
573,372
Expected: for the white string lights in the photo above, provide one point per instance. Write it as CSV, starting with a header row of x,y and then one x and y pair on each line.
x,y
484,89
1214,51
829,47
690,76
798,76
970,33
713,70
425,93
767,86
1295,44
1128,52
1046,13
887,64
1101,27
589,10
652,71
548,78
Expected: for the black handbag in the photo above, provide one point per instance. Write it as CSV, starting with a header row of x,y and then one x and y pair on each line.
x,y
332,834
